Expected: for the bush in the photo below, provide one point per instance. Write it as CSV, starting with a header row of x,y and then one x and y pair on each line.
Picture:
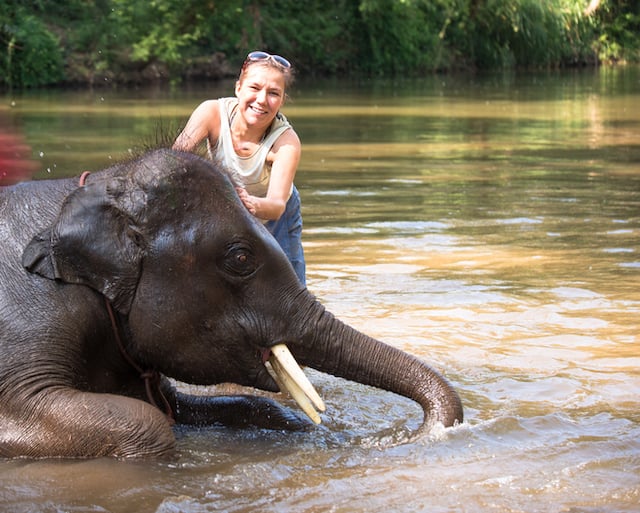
x,y
32,55
619,23
530,33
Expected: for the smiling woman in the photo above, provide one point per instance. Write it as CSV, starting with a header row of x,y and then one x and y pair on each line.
x,y
251,138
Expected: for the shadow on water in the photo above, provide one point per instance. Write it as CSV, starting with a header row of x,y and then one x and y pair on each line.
x,y
488,225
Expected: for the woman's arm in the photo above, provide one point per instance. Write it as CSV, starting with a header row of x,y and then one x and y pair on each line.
x,y
203,124
284,156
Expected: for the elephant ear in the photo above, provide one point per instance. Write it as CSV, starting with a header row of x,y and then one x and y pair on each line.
x,y
92,242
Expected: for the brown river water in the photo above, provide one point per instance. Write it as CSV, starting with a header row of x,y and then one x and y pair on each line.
x,y
489,225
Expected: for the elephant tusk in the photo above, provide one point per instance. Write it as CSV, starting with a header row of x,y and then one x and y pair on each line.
x,y
291,377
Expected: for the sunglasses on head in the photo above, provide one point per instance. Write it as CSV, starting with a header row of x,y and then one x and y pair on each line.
x,y
264,56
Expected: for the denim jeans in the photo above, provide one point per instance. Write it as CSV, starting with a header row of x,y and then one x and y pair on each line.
x,y
288,232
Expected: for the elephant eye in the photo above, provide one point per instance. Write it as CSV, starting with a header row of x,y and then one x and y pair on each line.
x,y
239,260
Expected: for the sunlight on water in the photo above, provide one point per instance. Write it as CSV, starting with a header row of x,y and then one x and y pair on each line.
x,y
488,226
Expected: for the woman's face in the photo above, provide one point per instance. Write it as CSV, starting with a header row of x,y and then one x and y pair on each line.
x,y
260,93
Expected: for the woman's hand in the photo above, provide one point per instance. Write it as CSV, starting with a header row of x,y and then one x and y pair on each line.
x,y
248,200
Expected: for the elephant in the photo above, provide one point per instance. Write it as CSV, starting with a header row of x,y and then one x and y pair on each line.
x,y
150,272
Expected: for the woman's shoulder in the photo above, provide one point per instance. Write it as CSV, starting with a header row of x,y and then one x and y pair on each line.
x,y
218,104
208,113
209,105
288,138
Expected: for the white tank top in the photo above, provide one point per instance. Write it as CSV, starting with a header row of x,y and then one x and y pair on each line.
x,y
253,171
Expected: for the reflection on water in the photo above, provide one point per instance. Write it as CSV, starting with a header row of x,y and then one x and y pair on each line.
x,y
490,226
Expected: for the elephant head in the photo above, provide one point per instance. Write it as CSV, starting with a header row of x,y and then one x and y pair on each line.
x,y
205,294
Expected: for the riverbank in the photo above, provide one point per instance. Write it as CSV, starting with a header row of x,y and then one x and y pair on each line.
x,y
206,68
49,43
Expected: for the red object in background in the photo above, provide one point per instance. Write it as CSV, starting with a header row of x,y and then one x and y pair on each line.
x,y
15,157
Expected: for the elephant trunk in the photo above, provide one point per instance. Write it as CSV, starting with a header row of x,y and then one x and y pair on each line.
x,y
335,348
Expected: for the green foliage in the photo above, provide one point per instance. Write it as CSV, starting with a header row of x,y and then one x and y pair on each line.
x,y
620,28
529,33
47,41
164,29
172,33
31,55
402,35
93,44
320,38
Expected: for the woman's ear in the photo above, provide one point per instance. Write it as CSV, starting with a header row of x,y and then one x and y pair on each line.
x,y
93,242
